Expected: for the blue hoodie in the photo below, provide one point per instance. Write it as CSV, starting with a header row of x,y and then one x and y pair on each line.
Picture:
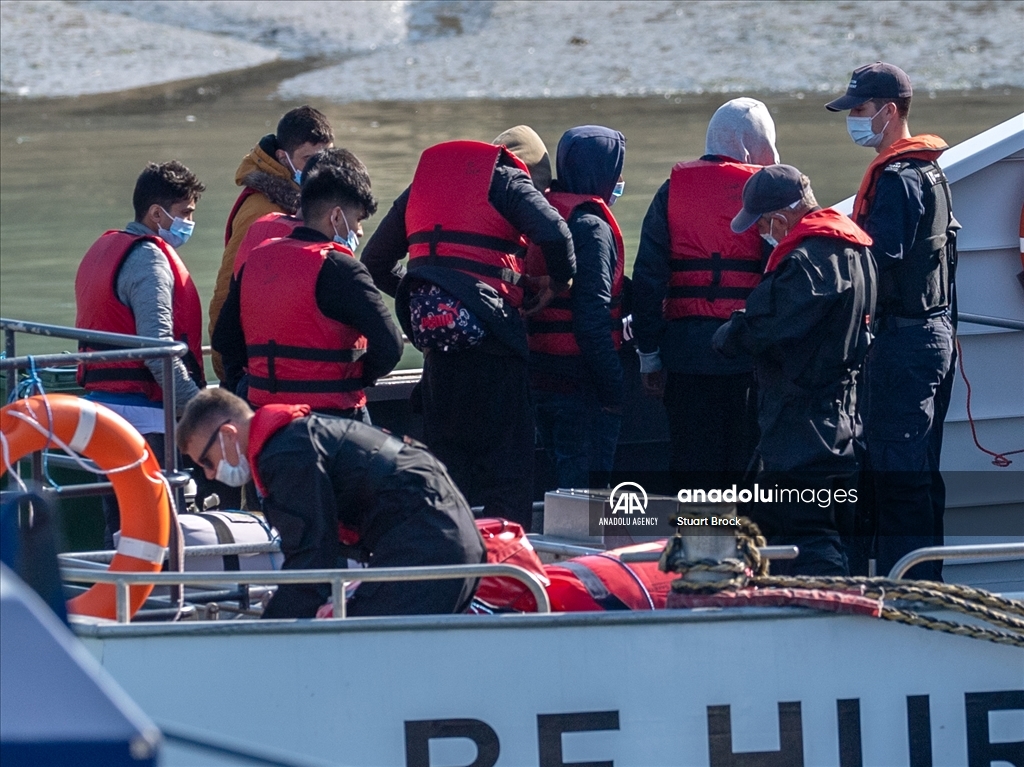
x,y
589,161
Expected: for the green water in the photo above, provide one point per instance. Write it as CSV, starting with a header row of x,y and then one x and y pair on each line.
x,y
68,167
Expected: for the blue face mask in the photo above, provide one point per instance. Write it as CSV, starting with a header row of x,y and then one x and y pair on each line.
x,y
861,132
617,192
350,240
179,232
296,174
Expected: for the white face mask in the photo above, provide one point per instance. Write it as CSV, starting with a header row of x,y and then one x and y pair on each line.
x,y
862,133
769,238
232,476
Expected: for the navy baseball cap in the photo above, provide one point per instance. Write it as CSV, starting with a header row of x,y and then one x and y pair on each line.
x,y
772,188
873,81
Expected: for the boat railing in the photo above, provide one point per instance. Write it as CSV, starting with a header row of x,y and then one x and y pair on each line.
x,y
339,580
972,551
995,322
112,347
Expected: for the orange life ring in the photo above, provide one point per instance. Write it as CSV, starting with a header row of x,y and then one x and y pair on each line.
x,y
100,434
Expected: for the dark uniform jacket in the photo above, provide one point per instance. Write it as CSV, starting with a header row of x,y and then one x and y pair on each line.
x,y
805,325
317,473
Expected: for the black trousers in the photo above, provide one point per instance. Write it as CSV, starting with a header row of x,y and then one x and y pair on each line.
x,y
478,420
712,423
430,537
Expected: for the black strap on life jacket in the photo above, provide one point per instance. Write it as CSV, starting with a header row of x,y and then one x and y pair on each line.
x,y
472,239
716,265
273,350
594,585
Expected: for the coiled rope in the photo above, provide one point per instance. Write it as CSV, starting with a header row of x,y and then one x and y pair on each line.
x,y
894,597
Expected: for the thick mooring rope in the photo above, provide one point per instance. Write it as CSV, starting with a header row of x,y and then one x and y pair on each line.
x,y
752,572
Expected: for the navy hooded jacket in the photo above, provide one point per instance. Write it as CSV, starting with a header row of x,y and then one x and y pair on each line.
x,y
589,161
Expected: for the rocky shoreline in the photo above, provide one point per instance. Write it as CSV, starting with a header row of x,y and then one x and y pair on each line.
x,y
364,50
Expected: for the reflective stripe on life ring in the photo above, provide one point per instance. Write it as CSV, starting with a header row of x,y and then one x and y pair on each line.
x,y
1022,235
110,441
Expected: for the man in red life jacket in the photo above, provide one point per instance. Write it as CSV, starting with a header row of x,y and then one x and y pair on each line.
x,y
325,482
132,281
303,321
905,205
575,372
269,176
274,226
806,326
691,272
462,223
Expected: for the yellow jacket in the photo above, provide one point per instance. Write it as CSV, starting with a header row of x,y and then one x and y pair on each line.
x,y
274,192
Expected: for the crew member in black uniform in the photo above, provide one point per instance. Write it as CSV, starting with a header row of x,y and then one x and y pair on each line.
x,y
303,322
904,204
325,482
806,324
462,223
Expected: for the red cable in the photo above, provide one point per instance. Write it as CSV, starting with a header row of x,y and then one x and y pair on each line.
x,y
998,459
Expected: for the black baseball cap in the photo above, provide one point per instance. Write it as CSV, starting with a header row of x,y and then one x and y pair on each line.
x,y
873,81
771,188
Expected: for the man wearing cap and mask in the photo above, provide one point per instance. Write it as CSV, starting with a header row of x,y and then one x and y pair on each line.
x,y
806,325
464,222
691,272
904,204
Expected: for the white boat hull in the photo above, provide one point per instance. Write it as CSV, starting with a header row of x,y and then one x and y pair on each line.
x,y
644,689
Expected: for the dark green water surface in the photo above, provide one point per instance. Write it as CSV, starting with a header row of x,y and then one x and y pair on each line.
x,y
68,167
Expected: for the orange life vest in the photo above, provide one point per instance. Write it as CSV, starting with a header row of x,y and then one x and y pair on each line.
x,y
819,223
297,355
450,221
551,328
713,269
99,308
926,147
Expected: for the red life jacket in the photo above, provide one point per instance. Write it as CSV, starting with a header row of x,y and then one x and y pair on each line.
x,y
450,221
267,422
272,226
604,582
98,308
713,269
229,227
551,328
296,353
818,223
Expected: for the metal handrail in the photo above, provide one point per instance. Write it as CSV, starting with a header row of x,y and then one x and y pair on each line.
x,y
337,578
996,322
209,550
767,552
973,551
136,348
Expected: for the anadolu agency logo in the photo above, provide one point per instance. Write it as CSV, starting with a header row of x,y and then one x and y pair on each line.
x,y
629,500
